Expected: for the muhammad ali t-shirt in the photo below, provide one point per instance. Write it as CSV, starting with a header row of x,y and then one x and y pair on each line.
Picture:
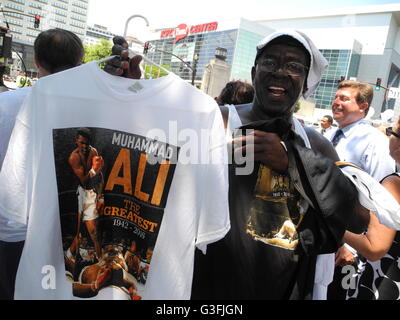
x,y
118,180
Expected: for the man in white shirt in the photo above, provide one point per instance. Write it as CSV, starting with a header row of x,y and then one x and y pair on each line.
x,y
357,142
326,124
55,50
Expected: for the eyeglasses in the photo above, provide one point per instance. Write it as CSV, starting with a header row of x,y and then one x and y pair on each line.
x,y
292,68
389,132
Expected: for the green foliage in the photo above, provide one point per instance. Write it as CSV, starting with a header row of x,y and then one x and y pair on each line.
x,y
153,72
98,51
297,106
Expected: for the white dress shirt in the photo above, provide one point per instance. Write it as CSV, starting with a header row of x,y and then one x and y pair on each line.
x,y
366,147
327,131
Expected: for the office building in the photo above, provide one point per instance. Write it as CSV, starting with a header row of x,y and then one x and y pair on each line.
x,y
20,15
95,33
179,47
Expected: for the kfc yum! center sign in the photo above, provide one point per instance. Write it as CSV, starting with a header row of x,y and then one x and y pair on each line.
x,y
183,30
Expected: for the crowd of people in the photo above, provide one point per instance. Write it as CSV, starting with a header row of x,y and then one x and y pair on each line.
x,y
298,221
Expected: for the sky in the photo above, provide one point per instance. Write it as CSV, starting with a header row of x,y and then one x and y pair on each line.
x,y
170,13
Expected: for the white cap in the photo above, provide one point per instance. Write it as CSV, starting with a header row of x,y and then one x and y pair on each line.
x,y
318,62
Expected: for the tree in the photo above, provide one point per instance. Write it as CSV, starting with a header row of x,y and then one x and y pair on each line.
x,y
153,72
297,106
98,51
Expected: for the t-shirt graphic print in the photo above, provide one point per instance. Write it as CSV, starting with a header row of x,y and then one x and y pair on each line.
x,y
113,187
275,210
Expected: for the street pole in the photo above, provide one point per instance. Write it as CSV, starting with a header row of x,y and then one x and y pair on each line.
x,y
130,18
194,70
195,59
170,53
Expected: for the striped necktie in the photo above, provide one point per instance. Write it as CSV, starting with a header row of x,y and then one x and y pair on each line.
x,y
336,138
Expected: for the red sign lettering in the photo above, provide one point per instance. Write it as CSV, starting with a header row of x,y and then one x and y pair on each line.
x,y
182,31
167,33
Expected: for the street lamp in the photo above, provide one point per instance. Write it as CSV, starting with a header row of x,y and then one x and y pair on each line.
x,y
134,16
194,70
221,53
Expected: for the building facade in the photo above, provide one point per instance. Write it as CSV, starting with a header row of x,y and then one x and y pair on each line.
x,y
95,33
360,43
188,49
20,15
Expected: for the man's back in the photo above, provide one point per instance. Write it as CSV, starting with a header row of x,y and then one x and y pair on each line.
x,y
10,103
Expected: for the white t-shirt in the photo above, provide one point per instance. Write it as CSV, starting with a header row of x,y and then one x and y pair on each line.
x,y
167,209
10,104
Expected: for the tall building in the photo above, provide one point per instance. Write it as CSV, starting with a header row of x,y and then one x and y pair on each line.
x,y
361,43
64,14
95,33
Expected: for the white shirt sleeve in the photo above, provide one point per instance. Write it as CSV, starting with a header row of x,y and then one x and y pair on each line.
x,y
16,174
214,212
378,162
374,197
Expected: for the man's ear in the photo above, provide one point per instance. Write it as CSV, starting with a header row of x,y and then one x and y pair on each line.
x,y
363,106
305,88
37,62
253,73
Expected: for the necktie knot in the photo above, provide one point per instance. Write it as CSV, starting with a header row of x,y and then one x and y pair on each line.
x,y
336,138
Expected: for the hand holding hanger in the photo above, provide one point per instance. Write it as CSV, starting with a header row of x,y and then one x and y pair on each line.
x,y
121,64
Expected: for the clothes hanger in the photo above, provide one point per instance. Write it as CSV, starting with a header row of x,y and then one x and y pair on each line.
x,y
133,53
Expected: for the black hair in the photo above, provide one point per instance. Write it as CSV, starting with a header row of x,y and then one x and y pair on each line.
x,y
84,132
57,50
236,92
330,119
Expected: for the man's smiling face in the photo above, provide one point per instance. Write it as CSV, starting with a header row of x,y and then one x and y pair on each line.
x,y
345,108
279,77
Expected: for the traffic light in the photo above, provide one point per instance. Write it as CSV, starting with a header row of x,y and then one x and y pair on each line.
x,y
146,48
5,44
378,84
37,21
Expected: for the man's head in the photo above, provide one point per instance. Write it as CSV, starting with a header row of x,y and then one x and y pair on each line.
x,y
287,66
352,102
236,92
83,140
133,246
57,50
326,121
